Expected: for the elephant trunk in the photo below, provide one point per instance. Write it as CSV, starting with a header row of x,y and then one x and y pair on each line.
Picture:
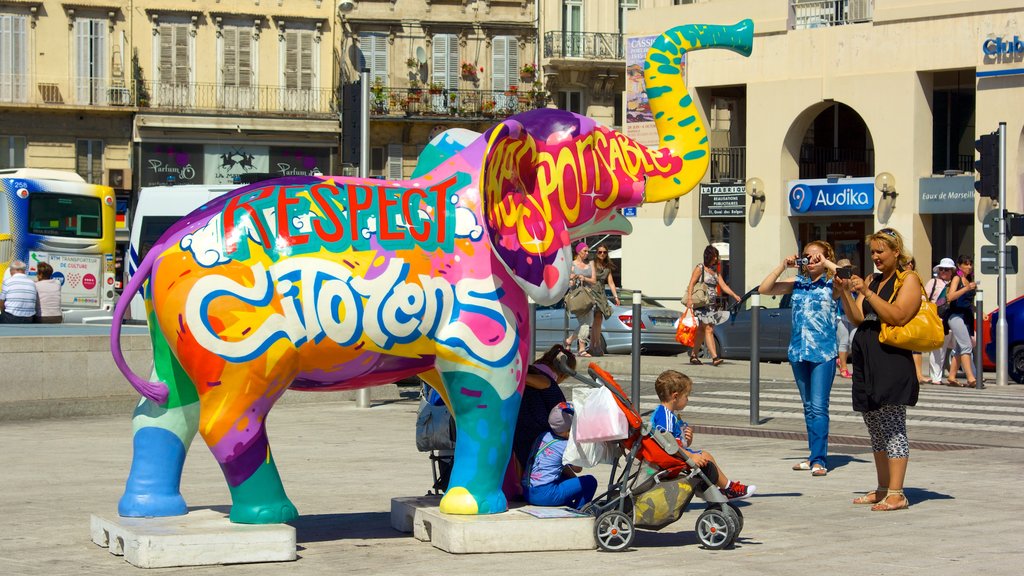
x,y
679,123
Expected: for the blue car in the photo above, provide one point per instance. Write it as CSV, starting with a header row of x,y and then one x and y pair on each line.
x,y
1015,338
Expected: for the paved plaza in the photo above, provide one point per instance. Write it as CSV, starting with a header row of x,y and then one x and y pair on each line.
x,y
342,465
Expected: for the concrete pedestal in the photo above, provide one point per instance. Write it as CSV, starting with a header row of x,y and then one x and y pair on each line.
x,y
199,538
512,531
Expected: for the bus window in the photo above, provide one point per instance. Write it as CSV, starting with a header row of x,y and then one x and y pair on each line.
x,y
52,214
153,227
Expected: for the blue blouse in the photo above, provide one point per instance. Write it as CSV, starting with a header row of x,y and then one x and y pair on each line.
x,y
814,321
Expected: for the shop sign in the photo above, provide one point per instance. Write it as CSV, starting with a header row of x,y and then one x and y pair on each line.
x,y
846,195
947,195
1001,50
171,164
227,162
722,200
299,161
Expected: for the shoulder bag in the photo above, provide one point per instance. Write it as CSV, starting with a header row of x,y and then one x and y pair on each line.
x,y
924,331
578,302
700,295
941,303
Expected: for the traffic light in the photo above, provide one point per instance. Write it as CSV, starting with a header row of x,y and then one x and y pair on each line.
x,y
987,165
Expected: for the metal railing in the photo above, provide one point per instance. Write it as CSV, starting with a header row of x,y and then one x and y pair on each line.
x,y
472,104
589,45
729,162
819,161
225,97
822,13
64,90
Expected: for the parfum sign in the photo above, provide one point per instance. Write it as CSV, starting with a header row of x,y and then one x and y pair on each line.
x,y
171,164
299,161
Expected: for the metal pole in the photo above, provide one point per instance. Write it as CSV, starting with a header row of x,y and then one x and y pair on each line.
x,y
979,341
363,396
1002,336
532,347
755,359
635,379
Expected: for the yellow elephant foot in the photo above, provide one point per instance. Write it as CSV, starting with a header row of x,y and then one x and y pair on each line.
x,y
459,501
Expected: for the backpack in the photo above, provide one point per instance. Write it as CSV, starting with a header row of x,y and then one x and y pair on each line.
x,y
941,304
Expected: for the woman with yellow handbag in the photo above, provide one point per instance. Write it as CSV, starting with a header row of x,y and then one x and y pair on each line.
x,y
884,377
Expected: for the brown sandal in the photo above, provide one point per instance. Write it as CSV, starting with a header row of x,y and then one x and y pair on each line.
x,y
694,360
883,505
870,497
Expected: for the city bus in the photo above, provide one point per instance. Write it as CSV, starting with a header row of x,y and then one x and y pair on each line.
x,y
57,217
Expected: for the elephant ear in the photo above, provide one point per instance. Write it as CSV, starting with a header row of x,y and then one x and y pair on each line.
x,y
527,231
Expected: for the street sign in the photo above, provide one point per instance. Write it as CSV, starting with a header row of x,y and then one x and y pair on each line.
x,y
990,226
718,200
990,259
629,212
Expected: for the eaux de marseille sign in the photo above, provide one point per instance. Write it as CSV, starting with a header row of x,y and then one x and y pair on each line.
x,y
846,195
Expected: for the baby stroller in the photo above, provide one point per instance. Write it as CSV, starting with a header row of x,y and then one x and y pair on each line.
x,y
435,433
656,482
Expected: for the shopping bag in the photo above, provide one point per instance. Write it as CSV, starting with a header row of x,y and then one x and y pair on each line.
x,y
599,418
686,329
588,454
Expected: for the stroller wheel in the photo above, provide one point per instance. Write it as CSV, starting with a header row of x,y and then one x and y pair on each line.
x,y
716,528
737,518
613,531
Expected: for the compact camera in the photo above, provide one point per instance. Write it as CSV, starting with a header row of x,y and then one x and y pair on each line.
x,y
802,262
844,272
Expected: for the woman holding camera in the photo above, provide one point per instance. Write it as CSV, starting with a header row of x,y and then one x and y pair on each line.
x,y
812,346
884,383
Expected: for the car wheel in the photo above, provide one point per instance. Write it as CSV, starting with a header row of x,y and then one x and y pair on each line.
x,y
1016,364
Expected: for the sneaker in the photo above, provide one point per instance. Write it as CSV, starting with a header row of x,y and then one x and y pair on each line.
x,y
737,491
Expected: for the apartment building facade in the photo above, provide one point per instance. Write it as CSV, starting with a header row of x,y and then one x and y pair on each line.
x,y
872,105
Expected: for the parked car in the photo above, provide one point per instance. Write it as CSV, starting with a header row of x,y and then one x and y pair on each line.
x,y
1015,338
733,338
657,326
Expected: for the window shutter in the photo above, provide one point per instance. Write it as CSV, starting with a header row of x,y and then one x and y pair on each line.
x,y
291,59
81,80
181,64
512,57
499,64
229,67
166,32
244,55
13,58
99,62
394,162
373,54
446,61
306,60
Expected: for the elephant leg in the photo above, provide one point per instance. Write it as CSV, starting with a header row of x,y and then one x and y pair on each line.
x,y
234,420
485,420
161,436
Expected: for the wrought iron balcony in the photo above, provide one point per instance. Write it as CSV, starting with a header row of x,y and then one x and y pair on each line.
x,y
819,161
249,100
469,104
64,91
822,13
585,45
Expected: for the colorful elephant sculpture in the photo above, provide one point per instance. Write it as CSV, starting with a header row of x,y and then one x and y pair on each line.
x,y
331,283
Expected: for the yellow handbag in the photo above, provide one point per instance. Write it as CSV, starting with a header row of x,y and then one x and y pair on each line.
x,y
924,331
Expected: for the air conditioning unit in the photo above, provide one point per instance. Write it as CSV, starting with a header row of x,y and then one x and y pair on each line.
x,y
119,178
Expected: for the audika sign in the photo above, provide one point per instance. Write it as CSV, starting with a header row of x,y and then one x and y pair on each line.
x,y
845,195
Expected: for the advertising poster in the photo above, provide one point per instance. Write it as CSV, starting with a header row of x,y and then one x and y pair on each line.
x,y
80,277
639,118
225,162
171,164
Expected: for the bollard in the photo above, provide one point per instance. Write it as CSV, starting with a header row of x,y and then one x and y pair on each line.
x,y
755,359
635,379
532,344
979,339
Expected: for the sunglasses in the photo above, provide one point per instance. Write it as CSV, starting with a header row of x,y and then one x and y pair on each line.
x,y
602,251
889,231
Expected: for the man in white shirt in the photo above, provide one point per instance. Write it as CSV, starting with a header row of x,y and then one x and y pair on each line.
x,y
19,300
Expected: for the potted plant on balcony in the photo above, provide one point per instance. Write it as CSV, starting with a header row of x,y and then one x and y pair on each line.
x,y
412,63
537,95
487,107
528,72
469,71
378,95
435,88
415,91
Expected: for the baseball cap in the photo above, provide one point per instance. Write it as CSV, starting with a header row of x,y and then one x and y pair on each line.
x,y
560,417
945,263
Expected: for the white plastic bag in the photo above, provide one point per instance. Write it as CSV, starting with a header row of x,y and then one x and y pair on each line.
x,y
589,454
598,418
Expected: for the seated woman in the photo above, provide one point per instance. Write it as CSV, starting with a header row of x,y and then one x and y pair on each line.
x,y
540,395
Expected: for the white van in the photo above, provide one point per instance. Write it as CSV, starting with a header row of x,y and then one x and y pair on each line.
x,y
158,208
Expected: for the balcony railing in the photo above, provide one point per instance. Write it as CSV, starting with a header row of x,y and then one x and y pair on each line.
x,y
469,104
729,163
73,91
820,161
821,13
243,99
587,45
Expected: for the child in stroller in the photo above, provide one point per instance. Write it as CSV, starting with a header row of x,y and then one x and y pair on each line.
x,y
657,480
673,390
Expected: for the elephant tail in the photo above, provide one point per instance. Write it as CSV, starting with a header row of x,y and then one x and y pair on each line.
x,y
155,391
679,123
